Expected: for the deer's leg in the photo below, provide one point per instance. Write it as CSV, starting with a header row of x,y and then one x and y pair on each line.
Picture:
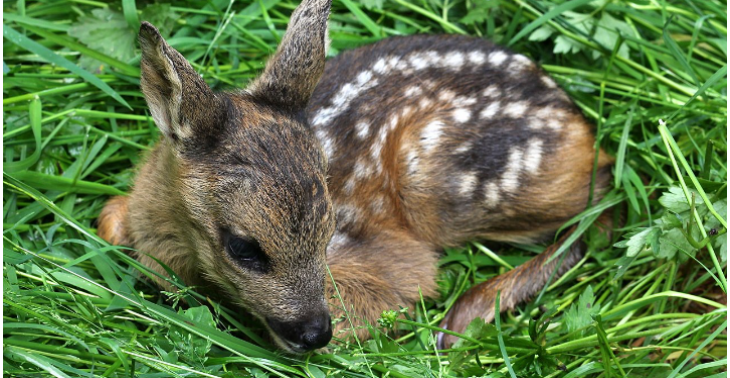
x,y
111,223
376,274
515,287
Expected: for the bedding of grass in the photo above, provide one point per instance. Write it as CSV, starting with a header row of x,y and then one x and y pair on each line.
x,y
650,74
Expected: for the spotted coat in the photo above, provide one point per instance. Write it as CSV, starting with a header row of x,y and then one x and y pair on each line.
x,y
437,140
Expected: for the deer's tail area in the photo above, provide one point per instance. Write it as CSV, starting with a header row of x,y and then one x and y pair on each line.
x,y
110,224
516,286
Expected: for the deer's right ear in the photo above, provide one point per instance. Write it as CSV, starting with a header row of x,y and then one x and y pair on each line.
x,y
293,72
181,103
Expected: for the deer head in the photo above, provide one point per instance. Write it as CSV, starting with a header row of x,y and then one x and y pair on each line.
x,y
249,175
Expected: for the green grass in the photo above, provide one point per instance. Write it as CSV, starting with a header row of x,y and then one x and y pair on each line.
x,y
650,303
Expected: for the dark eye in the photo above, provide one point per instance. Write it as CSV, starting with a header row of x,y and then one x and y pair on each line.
x,y
246,252
243,249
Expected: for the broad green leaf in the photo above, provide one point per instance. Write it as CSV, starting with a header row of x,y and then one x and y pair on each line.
x,y
674,200
193,348
608,30
579,315
542,33
106,31
162,16
565,45
479,12
672,241
636,242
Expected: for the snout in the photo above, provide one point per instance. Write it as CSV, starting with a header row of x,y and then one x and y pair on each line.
x,y
303,335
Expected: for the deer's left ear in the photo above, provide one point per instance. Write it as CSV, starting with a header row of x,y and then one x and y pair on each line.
x,y
293,72
181,103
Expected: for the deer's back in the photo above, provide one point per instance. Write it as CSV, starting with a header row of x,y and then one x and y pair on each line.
x,y
451,138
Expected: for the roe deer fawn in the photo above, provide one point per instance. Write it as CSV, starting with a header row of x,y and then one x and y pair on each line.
x,y
403,147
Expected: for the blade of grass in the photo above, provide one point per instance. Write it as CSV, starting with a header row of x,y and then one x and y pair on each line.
x,y
24,42
540,21
35,110
500,338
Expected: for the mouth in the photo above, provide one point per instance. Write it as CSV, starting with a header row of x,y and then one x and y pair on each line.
x,y
289,346
296,348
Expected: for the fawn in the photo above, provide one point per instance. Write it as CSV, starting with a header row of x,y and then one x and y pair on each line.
x,y
367,164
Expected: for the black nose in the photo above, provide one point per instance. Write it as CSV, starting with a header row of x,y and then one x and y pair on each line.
x,y
304,335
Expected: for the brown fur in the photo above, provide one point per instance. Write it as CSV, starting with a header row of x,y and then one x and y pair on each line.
x,y
112,220
407,174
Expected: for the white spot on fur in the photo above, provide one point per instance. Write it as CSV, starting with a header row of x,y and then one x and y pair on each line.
x,y
536,123
461,115
515,109
339,240
346,213
431,135
496,58
556,119
511,175
432,57
533,155
329,148
376,148
491,194
519,63
476,57
446,95
464,147
454,60
364,77
362,169
418,61
327,143
554,124
394,119
346,93
363,129
392,62
387,64
464,101
468,183
349,186
545,112
490,111
425,102
379,66
407,110
492,91
548,82
344,97
414,90
402,65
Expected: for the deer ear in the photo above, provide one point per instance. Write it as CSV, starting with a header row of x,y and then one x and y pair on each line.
x,y
293,72
182,104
